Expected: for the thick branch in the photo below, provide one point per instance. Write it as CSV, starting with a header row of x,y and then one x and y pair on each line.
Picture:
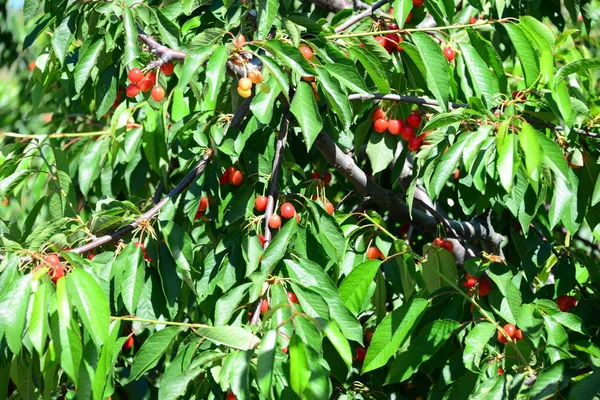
x,y
164,53
389,200
434,103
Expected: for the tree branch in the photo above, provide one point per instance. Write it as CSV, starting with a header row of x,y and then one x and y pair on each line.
x,y
359,17
164,53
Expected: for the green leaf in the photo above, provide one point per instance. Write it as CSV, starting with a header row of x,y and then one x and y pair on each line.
x,y
401,10
68,347
87,62
528,138
38,319
299,368
380,150
485,83
62,36
280,77
505,164
447,165
540,35
336,97
353,290
277,248
169,30
131,37
507,299
131,262
339,342
347,76
267,11
193,62
531,322
436,66
91,163
561,201
550,380
373,66
392,332
228,303
475,343
525,52
329,232
429,341
553,156
263,104
215,76
442,120
181,370
585,389
439,262
557,340
291,57
13,309
266,362
575,67
571,321
304,108
91,304
231,336
151,351
180,246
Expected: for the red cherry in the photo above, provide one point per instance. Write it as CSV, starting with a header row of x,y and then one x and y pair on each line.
x,y
167,69
565,303
52,259
262,240
329,207
414,144
473,20
437,242
128,343
306,51
236,178
500,371
287,210
203,204
158,93
274,221
470,282
409,17
224,179
132,90
284,350
395,126
398,47
407,132
449,53
292,297
261,203
264,306
519,334
510,329
392,40
484,287
230,396
373,253
327,178
418,3
382,41
378,114
135,75
57,273
414,120
501,337
448,245
145,84
316,175
90,256
361,352
381,125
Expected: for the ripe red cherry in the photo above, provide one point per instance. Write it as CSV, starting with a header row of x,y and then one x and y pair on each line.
x,y
274,221
224,179
236,178
368,336
448,246
382,41
510,329
264,306
57,273
501,337
240,41
316,175
261,238
361,352
373,253
128,343
418,3
327,178
145,84
158,93
306,51
167,69
473,20
231,396
261,203
409,17
394,126
52,259
203,204
437,242
398,47
392,40
470,282
484,287
378,114
500,371
565,303
407,132
287,210
381,125
135,75
414,120
329,207
292,297
449,53
132,90
414,144
519,334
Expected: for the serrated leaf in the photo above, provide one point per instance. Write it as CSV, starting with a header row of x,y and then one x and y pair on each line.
x,y
62,36
525,52
231,336
347,76
439,262
193,62
267,11
68,346
13,309
447,165
131,37
541,36
38,318
265,363
336,97
401,10
277,248
575,67
505,164
130,261
531,148
484,82
475,343
354,288
373,66
291,57
86,63
436,66
215,76
151,351
304,108
380,150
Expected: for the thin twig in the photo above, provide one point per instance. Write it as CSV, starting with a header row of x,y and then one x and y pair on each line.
x,y
164,53
359,17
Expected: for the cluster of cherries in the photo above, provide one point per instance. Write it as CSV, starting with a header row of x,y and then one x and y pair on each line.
x,y
406,128
202,206
391,41
444,244
326,178
56,270
565,303
512,332
233,176
143,83
484,284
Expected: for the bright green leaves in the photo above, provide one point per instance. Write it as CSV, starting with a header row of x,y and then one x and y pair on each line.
x,y
380,150
291,57
506,301
484,82
38,319
506,163
526,53
326,228
392,332
87,61
267,12
401,10
90,302
151,351
304,108
347,76
62,37
68,345
266,362
530,144
215,76
129,266
278,247
439,263
336,97
354,289
13,309
131,37
475,344
575,67
231,336
373,67
437,76
299,365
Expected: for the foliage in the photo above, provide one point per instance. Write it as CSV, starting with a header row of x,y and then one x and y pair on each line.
x,y
484,214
